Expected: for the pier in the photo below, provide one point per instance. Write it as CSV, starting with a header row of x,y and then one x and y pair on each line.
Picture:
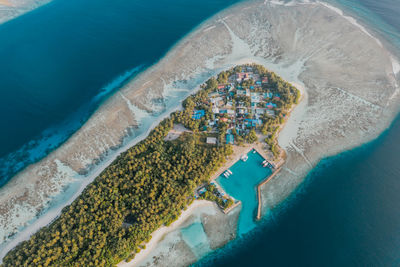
x,y
259,191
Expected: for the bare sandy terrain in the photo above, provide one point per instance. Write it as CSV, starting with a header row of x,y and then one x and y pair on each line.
x,y
348,76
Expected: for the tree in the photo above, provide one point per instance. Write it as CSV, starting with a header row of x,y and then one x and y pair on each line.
x,y
252,136
212,84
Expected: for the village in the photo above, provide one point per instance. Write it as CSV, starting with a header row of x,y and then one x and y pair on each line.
x,y
242,106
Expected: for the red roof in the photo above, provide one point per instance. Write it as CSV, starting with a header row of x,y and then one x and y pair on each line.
x,y
221,86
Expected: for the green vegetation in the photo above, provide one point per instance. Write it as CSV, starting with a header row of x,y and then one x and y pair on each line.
x,y
152,182
144,188
212,194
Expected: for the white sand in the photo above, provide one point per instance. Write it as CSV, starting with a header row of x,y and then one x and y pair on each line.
x,y
202,206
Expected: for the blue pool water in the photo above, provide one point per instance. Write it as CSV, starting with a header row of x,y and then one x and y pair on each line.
x,y
242,185
59,62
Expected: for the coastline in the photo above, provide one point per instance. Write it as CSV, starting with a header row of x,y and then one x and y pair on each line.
x,y
13,9
199,206
287,135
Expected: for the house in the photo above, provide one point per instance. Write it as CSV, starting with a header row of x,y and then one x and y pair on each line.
x,y
260,111
270,113
264,80
241,110
215,110
224,119
270,105
211,95
229,139
211,140
241,92
202,190
242,76
198,114
268,95
221,86
255,97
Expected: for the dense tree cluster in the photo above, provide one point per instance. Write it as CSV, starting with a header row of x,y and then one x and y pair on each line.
x,y
144,188
147,186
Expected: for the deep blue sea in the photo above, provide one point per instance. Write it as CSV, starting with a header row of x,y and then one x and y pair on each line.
x,y
59,62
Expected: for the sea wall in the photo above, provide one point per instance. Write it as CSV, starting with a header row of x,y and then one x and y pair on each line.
x,y
350,96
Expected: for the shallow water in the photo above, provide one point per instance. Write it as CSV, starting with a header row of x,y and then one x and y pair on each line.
x,y
242,185
196,238
59,62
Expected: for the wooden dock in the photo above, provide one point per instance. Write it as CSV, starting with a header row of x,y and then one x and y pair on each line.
x,y
259,191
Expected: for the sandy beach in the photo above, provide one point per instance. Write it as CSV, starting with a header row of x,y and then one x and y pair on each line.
x,y
201,206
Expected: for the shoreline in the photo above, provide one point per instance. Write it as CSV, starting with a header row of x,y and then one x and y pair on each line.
x,y
15,10
160,233
289,134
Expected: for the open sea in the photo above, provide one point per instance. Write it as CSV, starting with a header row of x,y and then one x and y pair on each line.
x,y
61,61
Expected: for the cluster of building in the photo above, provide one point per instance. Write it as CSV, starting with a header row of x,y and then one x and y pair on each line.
x,y
215,190
240,104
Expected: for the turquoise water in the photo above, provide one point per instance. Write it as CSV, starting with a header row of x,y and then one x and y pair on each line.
x,y
242,185
196,239
61,61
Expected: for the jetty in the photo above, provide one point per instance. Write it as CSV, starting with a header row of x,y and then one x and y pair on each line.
x,y
259,191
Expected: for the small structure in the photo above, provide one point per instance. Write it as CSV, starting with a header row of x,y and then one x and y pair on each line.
x,y
212,140
230,139
202,190
198,114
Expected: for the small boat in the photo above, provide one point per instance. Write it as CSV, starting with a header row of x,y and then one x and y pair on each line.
x,y
226,175
245,157
254,151
265,161
229,171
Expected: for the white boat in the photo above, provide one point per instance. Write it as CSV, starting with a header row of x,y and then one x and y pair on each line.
x,y
265,161
245,157
226,175
229,171
254,151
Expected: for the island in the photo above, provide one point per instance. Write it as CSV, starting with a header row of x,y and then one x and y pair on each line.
x,y
150,184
